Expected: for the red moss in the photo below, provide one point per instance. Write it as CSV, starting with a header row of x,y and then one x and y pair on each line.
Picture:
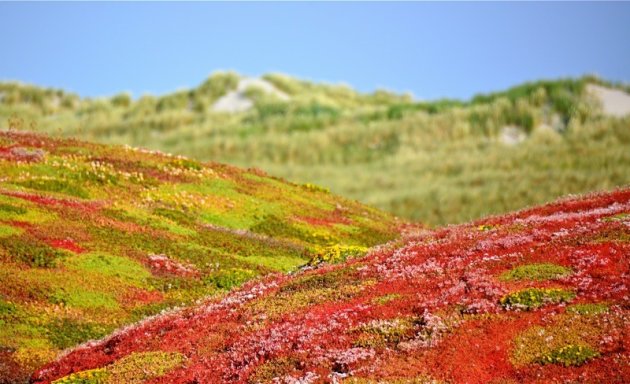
x,y
67,244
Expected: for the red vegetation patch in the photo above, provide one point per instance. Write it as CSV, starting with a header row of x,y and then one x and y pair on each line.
x,y
86,206
137,296
429,308
67,244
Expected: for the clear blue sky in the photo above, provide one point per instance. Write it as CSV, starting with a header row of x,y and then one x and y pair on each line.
x,y
434,50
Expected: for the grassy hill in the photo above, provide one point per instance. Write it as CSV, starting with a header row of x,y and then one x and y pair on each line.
x,y
535,296
94,237
440,162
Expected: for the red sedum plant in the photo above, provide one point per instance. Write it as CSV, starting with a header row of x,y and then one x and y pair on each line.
x,y
429,308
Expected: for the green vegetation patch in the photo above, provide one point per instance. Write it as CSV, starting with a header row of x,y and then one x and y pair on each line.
x,y
569,340
532,298
84,299
65,333
618,217
570,355
143,366
337,254
543,271
310,290
588,308
135,368
9,208
7,230
111,266
227,279
379,333
58,186
30,251
382,300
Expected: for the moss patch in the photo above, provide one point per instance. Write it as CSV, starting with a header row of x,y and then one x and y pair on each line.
x,y
533,298
543,271
569,355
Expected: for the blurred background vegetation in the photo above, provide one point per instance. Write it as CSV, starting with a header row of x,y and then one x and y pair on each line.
x,y
443,161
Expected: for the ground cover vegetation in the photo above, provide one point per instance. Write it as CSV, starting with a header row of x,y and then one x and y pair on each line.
x,y
536,296
95,237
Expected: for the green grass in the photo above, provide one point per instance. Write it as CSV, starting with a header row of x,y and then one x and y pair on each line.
x,y
438,162
537,272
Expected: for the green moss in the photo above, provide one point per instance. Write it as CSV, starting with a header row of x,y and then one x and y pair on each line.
x,y
280,263
7,230
84,299
570,355
65,333
556,341
8,208
111,266
139,367
273,225
386,298
57,186
178,216
588,308
227,279
533,298
543,271
7,310
619,234
135,368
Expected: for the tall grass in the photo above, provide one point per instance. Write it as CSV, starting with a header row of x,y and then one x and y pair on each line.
x,y
437,162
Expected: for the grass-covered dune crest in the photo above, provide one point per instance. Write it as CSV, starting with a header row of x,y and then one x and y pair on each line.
x,y
539,295
94,237
439,161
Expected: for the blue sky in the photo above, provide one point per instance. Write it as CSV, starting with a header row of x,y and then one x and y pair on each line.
x,y
433,50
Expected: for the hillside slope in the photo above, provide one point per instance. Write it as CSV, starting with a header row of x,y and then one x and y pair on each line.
x,y
93,237
538,296
439,162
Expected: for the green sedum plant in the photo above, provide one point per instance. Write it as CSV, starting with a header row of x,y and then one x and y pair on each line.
x,y
541,271
570,355
532,298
